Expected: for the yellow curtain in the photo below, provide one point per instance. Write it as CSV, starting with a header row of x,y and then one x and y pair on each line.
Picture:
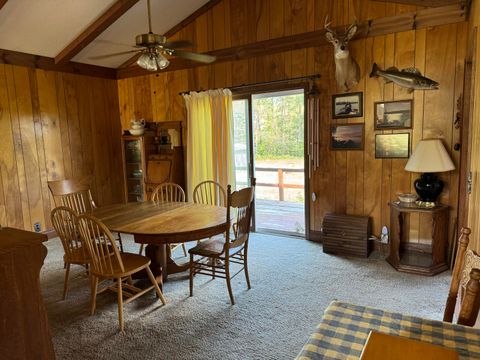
x,y
209,138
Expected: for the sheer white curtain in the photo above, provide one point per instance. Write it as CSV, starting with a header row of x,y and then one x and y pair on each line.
x,y
210,154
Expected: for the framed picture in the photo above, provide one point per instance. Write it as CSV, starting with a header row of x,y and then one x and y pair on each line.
x,y
392,146
346,137
347,105
393,114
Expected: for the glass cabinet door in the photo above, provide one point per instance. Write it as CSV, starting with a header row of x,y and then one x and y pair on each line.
x,y
134,172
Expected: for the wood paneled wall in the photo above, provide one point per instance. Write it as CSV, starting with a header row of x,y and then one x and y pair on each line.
x,y
474,201
347,181
54,126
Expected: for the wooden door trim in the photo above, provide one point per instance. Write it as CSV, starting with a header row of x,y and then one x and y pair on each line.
x,y
465,134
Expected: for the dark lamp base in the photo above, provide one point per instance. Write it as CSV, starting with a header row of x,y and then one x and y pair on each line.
x,y
428,187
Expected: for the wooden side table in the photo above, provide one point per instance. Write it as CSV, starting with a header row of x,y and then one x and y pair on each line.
x,y
424,259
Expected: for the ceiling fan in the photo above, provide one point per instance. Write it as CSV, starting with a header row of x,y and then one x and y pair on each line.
x,y
154,47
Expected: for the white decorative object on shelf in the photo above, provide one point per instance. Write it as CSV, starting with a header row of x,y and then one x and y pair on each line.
x,y
136,131
407,198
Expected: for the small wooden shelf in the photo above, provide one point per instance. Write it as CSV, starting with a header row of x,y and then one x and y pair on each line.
x,y
424,259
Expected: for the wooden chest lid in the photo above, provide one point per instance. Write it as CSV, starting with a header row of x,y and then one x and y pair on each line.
x,y
11,238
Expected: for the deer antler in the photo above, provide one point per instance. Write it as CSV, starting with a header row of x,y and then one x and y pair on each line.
x,y
327,27
352,29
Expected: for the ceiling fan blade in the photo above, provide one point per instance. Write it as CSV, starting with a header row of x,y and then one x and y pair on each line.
x,y
207,59
114,54
177,44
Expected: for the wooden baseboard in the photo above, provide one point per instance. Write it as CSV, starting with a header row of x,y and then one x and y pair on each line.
x,y
51,233
314,235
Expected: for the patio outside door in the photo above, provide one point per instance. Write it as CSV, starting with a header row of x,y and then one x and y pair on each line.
x,y
269,144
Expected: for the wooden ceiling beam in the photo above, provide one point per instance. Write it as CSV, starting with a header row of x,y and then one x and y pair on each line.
x,y
188,20
2,3
47,63
119,8
427,3
388,25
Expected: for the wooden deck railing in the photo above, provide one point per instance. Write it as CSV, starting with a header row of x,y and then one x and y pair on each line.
x,y
280,175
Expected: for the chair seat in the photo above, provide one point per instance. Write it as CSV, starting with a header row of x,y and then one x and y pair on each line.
x,y
78,256
210,247
131,263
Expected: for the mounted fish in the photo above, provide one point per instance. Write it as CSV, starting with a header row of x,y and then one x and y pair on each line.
x,y
410,78
347,71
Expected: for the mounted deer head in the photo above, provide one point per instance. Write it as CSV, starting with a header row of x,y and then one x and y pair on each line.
x,y
347,71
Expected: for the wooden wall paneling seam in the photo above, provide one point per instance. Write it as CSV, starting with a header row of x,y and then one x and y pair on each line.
x,y
50,119
73,124
63,123
373,167
18,147
42,166
10,205
29,143
4,111
461,55
418,120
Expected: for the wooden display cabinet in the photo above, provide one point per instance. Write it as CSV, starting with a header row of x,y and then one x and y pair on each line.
x,y
135,151
152,158
424,259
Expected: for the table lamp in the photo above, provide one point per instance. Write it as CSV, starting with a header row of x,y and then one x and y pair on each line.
x,y
428,158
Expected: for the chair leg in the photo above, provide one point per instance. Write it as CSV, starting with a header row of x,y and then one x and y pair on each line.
x,y
229,285
141,249
245,268
155,284
93,295
65,284
191,274
214,262
120,242
120,304
184,249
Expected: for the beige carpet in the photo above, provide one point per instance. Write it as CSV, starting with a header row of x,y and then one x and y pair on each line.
x,y
292,283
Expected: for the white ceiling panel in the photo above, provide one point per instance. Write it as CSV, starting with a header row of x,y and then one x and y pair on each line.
x,y
45,27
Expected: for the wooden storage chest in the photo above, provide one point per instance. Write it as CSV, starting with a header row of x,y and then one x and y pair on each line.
x,y
346,234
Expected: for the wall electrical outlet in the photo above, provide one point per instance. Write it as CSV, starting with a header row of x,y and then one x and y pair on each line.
x,y
37,227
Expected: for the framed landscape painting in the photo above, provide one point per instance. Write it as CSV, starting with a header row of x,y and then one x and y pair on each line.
x,y
347,105
346,137
392,146
393,114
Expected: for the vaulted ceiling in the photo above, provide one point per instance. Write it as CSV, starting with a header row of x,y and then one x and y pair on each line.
x,y
46,27
67,35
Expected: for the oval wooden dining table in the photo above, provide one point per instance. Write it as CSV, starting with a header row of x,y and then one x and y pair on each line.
x,y
157,225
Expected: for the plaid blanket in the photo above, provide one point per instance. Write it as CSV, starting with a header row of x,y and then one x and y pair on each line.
x,y
345,327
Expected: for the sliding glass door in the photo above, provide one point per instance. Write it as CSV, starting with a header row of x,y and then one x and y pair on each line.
x,y
269,143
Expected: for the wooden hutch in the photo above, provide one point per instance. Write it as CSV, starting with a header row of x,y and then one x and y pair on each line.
x,y
152,158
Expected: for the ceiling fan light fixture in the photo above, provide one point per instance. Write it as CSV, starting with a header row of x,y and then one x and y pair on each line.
x,y
162,61
147,62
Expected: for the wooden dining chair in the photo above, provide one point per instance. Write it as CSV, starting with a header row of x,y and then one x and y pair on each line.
x,y
214,256
64,222
466,278
168,192
210,193
75,194
108,263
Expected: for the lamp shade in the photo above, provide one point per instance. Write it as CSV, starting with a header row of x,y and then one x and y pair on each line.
x,y
430,156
